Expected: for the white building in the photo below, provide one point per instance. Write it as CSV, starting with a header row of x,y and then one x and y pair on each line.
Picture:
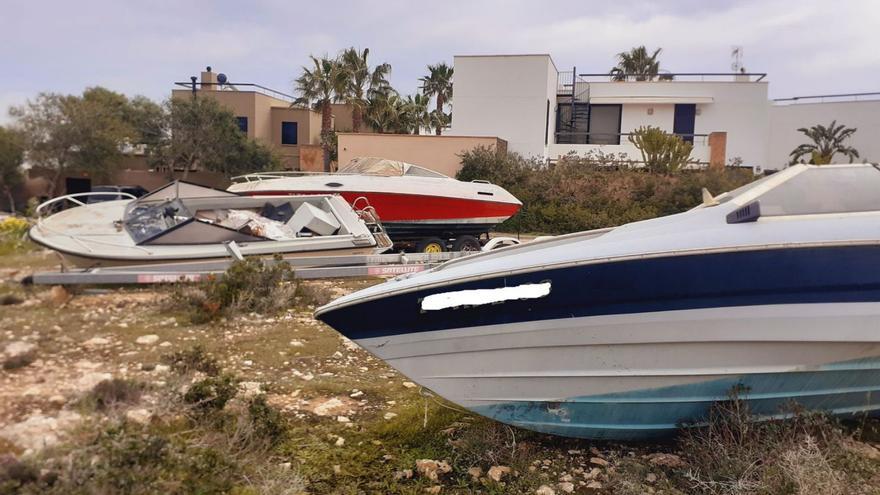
x,y
546,113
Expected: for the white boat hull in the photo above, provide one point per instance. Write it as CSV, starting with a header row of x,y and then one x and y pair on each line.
x,y
638,375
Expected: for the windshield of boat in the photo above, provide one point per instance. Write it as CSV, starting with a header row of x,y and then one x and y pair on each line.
x,y
386,168
147,220
810,190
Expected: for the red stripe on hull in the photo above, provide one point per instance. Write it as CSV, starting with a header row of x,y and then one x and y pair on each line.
x,y
394,207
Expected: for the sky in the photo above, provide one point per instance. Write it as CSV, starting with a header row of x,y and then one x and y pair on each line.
x,y
806,46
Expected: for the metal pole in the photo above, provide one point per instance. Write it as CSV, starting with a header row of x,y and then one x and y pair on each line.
x,y
193,79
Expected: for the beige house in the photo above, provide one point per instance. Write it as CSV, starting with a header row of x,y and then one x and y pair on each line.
x,y
270,117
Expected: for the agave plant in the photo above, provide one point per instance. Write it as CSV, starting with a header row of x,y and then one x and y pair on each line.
x,y
363,82
438,83
636,64
826,142
319,86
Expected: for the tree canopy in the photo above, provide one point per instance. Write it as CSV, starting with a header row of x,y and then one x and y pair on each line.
x,y
438,83
200,133
636,64
825,143
11,157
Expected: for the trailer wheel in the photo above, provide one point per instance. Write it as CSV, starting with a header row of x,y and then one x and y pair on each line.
x,y
467,243
431,245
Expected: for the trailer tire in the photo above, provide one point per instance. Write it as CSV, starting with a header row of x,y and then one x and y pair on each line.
x,y
431,245
467,243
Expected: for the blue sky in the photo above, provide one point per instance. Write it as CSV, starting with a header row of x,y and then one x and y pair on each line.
x,y
806,46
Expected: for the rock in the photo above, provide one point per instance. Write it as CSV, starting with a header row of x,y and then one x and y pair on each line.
x,y
337,469
432,469
593,473
147,339
545,490
566,477
651,478
405,474
409,385
567,487
329,407
598,461
250,389
594,485
433,489
18,347
356,394
89,380
58,399
390,415
140,416
96,342
58,295
497,472
165,344
666,460
475,473
38,431
343,419
340,442
162,368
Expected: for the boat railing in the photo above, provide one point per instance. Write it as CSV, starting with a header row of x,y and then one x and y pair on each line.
x,y
280,174
41,209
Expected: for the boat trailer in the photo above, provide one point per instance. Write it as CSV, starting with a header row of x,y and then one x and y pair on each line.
x,y
316,267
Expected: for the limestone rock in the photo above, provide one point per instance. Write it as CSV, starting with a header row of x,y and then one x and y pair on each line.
x,y
545,490
147,339
432,469
496,473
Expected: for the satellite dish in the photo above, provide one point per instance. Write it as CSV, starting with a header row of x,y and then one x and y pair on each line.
x,y
221,78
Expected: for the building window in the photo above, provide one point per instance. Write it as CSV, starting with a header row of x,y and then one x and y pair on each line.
x,y
605,124
288,133
242,124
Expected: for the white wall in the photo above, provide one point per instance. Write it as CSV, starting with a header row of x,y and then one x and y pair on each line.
x,y
505,96
786,119
739,108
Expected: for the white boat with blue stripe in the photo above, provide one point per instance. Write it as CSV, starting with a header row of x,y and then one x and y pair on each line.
x,y
627,333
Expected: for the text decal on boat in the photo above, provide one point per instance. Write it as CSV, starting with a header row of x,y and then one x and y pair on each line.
x,y
479,297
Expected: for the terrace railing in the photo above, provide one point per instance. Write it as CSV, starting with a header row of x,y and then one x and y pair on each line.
x,y
229,86
828,98
617,138
566,78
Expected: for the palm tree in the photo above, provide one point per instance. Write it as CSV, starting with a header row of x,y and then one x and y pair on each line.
x,y
438,83
363,83
439,120
383,112
827,142
318,87
636,63
414,116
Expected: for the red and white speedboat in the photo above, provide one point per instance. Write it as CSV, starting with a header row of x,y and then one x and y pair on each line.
x,y
413,202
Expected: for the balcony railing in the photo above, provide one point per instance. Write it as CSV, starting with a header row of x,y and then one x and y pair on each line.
x,y
828,98
194,85
616,138
565,78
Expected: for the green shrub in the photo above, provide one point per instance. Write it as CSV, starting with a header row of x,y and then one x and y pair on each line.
x,y
267,422
250,285
593,191
108,393
191,360
661,152
211,394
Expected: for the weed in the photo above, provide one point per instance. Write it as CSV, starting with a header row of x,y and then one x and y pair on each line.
x,y
19,361
191,360
314,294
250,285
117,391
211,394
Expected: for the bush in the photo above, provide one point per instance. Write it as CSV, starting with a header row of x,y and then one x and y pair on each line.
x,y
736,452
211,394
593,191
191,360
13,234
250,285
19,361
108,393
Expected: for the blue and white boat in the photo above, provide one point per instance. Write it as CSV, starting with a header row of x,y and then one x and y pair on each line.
x,y
626,333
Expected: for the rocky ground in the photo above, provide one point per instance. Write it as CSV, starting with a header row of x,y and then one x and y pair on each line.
x,y
355,425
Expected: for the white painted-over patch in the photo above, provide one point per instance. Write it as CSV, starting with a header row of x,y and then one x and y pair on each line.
x,y
479,297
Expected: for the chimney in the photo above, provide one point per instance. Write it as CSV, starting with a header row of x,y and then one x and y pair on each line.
x,y
209,79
